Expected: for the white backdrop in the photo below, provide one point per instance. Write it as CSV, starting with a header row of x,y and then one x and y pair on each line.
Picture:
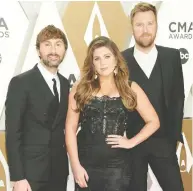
x,y
20,22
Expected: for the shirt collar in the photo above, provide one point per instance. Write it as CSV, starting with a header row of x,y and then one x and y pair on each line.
x,y
46,74
152,52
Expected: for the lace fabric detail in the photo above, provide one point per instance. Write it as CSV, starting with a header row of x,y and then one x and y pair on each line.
x,y
105,115
105,98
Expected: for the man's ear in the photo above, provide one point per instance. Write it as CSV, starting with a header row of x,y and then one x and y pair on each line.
x,y
38,52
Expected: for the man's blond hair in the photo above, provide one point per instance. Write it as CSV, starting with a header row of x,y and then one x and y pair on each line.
x,y
143,7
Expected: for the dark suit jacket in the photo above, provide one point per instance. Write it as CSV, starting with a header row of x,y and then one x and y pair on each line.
x,y
34,140
173,85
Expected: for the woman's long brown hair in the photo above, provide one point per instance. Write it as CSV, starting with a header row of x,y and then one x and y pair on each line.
x,y
88,85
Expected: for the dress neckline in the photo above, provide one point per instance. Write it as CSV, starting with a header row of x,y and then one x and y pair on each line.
x,y
106,97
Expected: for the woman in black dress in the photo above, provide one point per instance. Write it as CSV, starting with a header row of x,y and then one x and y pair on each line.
x,y
100,104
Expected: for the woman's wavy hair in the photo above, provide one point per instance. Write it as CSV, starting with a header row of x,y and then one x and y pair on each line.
x,y
88,86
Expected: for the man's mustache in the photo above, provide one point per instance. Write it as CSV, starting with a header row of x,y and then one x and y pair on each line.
x,y
53,55
145,34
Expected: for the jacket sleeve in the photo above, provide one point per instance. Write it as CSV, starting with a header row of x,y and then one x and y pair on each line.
x,y
14,113
177,97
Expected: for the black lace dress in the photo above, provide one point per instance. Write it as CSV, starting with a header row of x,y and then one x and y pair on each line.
x,y
108,168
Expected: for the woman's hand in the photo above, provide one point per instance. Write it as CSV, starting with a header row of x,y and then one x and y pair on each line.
x,y
22,185
118,141
80,175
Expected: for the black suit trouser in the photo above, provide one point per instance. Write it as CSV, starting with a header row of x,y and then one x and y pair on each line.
x,y
160,154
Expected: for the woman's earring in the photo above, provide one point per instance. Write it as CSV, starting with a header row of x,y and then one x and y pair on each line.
x,y
96,76
115,71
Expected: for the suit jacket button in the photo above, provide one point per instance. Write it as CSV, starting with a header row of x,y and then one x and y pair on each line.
x,y
45,113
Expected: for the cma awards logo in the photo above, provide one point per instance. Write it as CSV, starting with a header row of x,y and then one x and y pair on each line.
x,y
4,31
184,154
181,30
184,55
99,18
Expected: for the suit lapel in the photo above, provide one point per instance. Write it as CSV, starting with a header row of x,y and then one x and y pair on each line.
x,y
138,67
42,87
136,73
164,73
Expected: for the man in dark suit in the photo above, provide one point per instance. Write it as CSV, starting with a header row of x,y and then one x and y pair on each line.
x,y
158,71
36,107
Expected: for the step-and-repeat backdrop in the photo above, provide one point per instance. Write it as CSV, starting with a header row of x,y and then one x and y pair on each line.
x,y
20,22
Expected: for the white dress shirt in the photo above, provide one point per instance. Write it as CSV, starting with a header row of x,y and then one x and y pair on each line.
x,y
48,76
146,60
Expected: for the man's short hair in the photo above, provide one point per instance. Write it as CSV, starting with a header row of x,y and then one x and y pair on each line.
x,y
50,32
143,7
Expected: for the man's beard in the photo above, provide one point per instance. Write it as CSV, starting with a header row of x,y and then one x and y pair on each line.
x,y
145,43
50,64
